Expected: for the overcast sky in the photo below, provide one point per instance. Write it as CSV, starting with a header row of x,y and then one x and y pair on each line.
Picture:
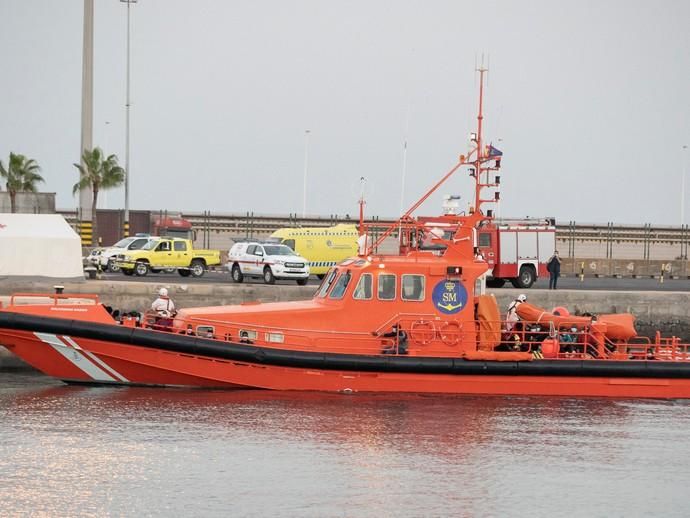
x,y
590,101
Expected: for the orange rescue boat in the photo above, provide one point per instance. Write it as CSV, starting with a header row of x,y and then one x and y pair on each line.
x,y
417,321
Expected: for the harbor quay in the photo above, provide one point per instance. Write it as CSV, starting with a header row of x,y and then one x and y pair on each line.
x,y
666,311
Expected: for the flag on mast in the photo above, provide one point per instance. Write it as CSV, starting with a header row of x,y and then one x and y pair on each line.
x,y
494,151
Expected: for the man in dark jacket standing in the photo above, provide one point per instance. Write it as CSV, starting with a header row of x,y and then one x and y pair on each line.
x,y
554,269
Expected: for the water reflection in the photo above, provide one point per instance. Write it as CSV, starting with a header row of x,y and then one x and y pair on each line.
x,y
95,451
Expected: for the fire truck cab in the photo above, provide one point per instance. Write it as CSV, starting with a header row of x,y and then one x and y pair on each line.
x,y
516,250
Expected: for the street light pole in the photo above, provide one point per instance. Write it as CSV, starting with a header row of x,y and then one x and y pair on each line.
x,y
85,195
306,166
125,229
682,186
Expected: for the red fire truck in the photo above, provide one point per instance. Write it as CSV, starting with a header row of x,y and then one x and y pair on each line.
x,y
516,250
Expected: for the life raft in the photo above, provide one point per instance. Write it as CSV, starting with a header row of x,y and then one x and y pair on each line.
x,y
616,326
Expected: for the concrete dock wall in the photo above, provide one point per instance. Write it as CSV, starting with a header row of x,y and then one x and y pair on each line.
x,y
626,268
666,311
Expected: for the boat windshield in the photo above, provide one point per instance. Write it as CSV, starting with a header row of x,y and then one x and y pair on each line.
x,y
278,250
327,282
151,244
339,289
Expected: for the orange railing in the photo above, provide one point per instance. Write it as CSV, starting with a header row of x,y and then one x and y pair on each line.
x,y
420,334
417,333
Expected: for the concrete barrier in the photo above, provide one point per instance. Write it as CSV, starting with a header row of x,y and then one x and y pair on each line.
x,y
635,268
668,312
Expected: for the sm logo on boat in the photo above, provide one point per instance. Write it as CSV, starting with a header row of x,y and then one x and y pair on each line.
x,y
449,296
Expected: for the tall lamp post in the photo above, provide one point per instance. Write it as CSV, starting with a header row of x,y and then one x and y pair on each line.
x,y
682,185
683,229
85,216
125,229
306,166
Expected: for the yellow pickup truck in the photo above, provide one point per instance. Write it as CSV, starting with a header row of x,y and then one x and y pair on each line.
x,y
165,253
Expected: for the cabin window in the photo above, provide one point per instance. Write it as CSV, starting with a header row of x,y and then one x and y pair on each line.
x,y
180,246
386,286
339,289
275,337
363,289
290,243
326,284
412,287
205,331
484,239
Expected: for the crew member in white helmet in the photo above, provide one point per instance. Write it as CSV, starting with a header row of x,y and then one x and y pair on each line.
x,y
163,305
512,316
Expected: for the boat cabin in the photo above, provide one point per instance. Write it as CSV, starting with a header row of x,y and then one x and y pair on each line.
x,y
429,298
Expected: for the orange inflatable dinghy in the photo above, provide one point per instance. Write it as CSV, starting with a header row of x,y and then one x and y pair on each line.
x,y
619,326
532,313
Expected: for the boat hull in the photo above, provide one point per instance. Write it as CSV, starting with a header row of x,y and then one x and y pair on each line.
x,y
89,352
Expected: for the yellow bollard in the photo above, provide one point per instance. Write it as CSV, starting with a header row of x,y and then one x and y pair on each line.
x,y
661,277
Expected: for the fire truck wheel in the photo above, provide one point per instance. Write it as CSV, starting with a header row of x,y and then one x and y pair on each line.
x,y
525,279
496,283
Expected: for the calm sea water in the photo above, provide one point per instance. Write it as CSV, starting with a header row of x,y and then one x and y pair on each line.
x,y
79,451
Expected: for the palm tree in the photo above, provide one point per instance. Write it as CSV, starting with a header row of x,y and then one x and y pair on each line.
x,y
21,175
99,173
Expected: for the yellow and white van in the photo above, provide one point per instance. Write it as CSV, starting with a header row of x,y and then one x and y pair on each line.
x,y
323,247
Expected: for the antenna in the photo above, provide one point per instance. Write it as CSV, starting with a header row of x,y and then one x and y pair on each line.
x,y
362,183
404,161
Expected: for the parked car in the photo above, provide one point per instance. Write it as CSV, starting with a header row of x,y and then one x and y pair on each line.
x,y
269,261
107,257
94,257
162,253
324,247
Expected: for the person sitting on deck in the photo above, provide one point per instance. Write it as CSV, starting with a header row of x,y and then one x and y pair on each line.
x,y
568,341
164,309
399,343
